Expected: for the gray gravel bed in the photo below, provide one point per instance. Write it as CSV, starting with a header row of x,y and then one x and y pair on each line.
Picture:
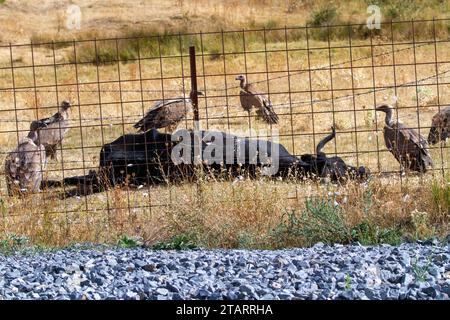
x,y
409,271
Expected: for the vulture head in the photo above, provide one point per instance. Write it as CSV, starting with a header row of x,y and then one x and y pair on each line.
x,y
388,110
242,79
65,105
191,94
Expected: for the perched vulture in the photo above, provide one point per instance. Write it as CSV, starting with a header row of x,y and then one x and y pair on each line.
x,y
25,164
53,130
406,144
251,98
440,126
166,114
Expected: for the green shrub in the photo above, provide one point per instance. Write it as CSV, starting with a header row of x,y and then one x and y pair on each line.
x,y
271,24
245,240
320,221
421,270
392,13
128,242
181,242
323,17
368,233
441,195
319,21
13,243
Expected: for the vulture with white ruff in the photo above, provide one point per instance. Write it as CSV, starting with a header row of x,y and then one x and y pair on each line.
x,y
25,164
52,130
250,98
406,144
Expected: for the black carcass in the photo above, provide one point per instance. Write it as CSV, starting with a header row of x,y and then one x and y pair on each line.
x,y
130,159
335,168
153,157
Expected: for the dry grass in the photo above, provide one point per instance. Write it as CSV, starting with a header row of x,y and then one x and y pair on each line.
x,y
46,19
224,214
213,214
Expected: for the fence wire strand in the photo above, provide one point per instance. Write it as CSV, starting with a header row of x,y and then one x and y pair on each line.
x,y
310,86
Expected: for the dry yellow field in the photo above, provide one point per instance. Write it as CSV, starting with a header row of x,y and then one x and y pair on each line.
x,y
109,98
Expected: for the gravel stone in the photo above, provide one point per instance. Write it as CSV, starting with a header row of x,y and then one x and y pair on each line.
x,y
318,272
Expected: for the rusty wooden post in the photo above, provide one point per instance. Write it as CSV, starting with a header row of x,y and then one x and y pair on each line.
x,y
194,94
197,138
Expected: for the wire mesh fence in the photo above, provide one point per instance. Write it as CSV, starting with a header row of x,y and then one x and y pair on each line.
x,y
315,77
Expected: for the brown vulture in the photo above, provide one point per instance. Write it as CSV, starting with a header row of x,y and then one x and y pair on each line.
x,y
166,114
53,130
251,98
25,164
406,144
440,126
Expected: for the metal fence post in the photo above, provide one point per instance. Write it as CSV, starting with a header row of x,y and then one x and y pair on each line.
x,y
194,94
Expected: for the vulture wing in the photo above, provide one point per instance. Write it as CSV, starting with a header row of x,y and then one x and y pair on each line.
x,y
248,100
24,167
52,132
265,108
164,113
408,147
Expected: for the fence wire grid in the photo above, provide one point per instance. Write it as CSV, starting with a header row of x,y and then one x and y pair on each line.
x,y
315,77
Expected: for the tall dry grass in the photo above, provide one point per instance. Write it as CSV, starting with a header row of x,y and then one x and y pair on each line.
x,y
261,213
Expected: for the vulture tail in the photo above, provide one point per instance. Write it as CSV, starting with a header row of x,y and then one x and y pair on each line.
x,y
268,114
325,140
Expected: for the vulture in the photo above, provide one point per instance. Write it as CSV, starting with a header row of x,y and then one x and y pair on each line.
x,y
166,114
440,126
251,98
25,164
406,144
53,130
